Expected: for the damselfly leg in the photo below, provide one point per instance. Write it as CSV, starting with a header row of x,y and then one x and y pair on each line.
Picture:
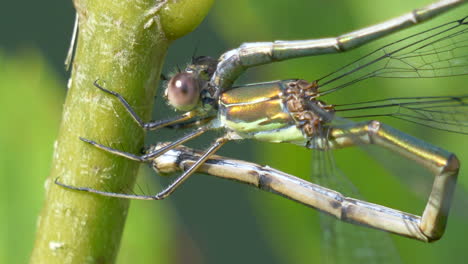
x,y
153,125
153,153
149,157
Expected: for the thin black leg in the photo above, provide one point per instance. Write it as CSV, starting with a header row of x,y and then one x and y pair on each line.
x,y
152,155
191,123
168,190
153,125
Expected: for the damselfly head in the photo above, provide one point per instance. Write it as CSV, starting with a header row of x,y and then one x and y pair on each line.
x,y
186,88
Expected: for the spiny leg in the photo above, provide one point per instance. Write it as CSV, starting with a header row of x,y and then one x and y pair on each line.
x,y
443,164
169,189
143,158
153,125
148,156
191,123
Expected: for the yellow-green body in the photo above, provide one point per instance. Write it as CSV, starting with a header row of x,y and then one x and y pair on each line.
x,y
257,111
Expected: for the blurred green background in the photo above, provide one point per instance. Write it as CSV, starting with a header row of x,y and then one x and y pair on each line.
x,y
211,220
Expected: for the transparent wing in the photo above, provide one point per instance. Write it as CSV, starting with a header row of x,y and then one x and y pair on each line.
x,y
438,52
447,113
344,242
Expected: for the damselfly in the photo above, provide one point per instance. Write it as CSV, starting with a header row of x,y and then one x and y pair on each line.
x,y
290,111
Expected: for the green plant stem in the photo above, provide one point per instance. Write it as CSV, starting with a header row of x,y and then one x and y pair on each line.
x,y
123,43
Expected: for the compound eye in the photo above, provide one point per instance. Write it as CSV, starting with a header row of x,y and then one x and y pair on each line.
x,y
183,91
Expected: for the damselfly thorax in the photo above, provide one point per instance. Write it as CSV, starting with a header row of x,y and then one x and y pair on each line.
x,y
280,111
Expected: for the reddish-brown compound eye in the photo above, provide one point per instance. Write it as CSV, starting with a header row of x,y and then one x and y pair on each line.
x,y
183,91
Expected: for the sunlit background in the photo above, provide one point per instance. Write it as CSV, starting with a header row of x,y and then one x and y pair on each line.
x,y
211,220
